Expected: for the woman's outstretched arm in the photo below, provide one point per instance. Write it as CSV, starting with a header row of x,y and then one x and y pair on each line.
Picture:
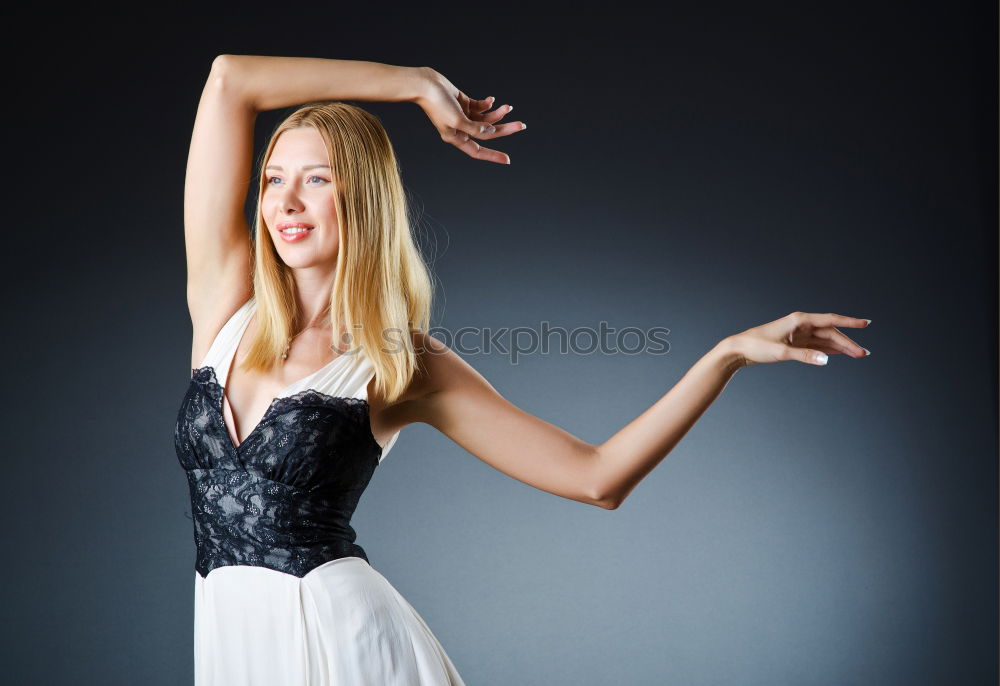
x,y
463,405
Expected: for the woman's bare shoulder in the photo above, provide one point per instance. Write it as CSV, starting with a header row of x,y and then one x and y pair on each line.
x,y
438,368
430,369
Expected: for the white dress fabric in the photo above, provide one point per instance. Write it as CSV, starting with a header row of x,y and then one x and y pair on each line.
x,y
341,623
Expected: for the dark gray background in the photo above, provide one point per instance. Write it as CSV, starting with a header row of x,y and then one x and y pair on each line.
x,y
705,169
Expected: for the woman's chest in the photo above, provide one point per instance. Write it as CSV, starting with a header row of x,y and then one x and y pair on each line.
x,y
306,441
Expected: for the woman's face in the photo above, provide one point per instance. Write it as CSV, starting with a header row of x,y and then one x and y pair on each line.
x,y
299,190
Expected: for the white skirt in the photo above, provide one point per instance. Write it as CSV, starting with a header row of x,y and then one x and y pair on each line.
x,y
341,624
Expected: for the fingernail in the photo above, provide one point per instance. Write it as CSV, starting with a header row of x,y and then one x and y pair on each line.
x,y
869,321
821,358
867,351
523,126
510,107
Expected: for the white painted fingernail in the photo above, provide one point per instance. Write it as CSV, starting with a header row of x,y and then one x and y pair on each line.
x,y
821,358
867,351
869,321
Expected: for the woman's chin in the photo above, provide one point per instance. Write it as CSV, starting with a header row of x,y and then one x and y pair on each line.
x,y
306,259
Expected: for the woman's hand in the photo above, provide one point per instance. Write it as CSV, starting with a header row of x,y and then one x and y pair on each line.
x,y
459,118
802,336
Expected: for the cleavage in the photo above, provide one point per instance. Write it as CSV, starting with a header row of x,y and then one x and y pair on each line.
x,y
259,402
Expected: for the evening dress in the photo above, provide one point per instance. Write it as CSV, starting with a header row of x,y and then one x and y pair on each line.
x,y
283,594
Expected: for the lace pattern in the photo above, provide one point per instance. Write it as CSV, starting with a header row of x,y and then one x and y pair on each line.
x,y
284,497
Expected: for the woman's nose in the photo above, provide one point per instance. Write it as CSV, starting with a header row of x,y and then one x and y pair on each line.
x,y
290,202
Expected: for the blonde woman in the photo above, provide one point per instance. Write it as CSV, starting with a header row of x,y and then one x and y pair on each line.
x,y
310,354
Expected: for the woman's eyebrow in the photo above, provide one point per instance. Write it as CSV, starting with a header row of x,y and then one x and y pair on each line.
x,y
308,166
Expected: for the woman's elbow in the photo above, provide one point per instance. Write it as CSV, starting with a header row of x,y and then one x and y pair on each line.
x,y
602,493
608,502
605,499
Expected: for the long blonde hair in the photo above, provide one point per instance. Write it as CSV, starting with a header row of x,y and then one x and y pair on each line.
x,y
382,291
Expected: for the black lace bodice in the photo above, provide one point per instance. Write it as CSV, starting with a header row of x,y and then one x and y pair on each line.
x,y
284,497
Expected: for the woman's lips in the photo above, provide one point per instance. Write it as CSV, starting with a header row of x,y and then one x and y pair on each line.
x,y
294,235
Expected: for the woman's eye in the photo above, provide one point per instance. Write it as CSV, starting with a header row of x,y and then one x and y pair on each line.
x,y
278,178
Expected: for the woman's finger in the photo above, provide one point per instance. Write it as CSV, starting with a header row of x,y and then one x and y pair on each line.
x,y
473,149
809,356
478,129
497,114
830,319
465,143
782,352
481,106
505,129
844,343
484,125
830,347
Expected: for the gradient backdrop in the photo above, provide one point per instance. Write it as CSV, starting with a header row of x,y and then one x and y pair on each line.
x,y
706,168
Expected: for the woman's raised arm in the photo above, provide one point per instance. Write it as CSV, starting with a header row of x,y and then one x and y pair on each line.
x,y
216,235
272,82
